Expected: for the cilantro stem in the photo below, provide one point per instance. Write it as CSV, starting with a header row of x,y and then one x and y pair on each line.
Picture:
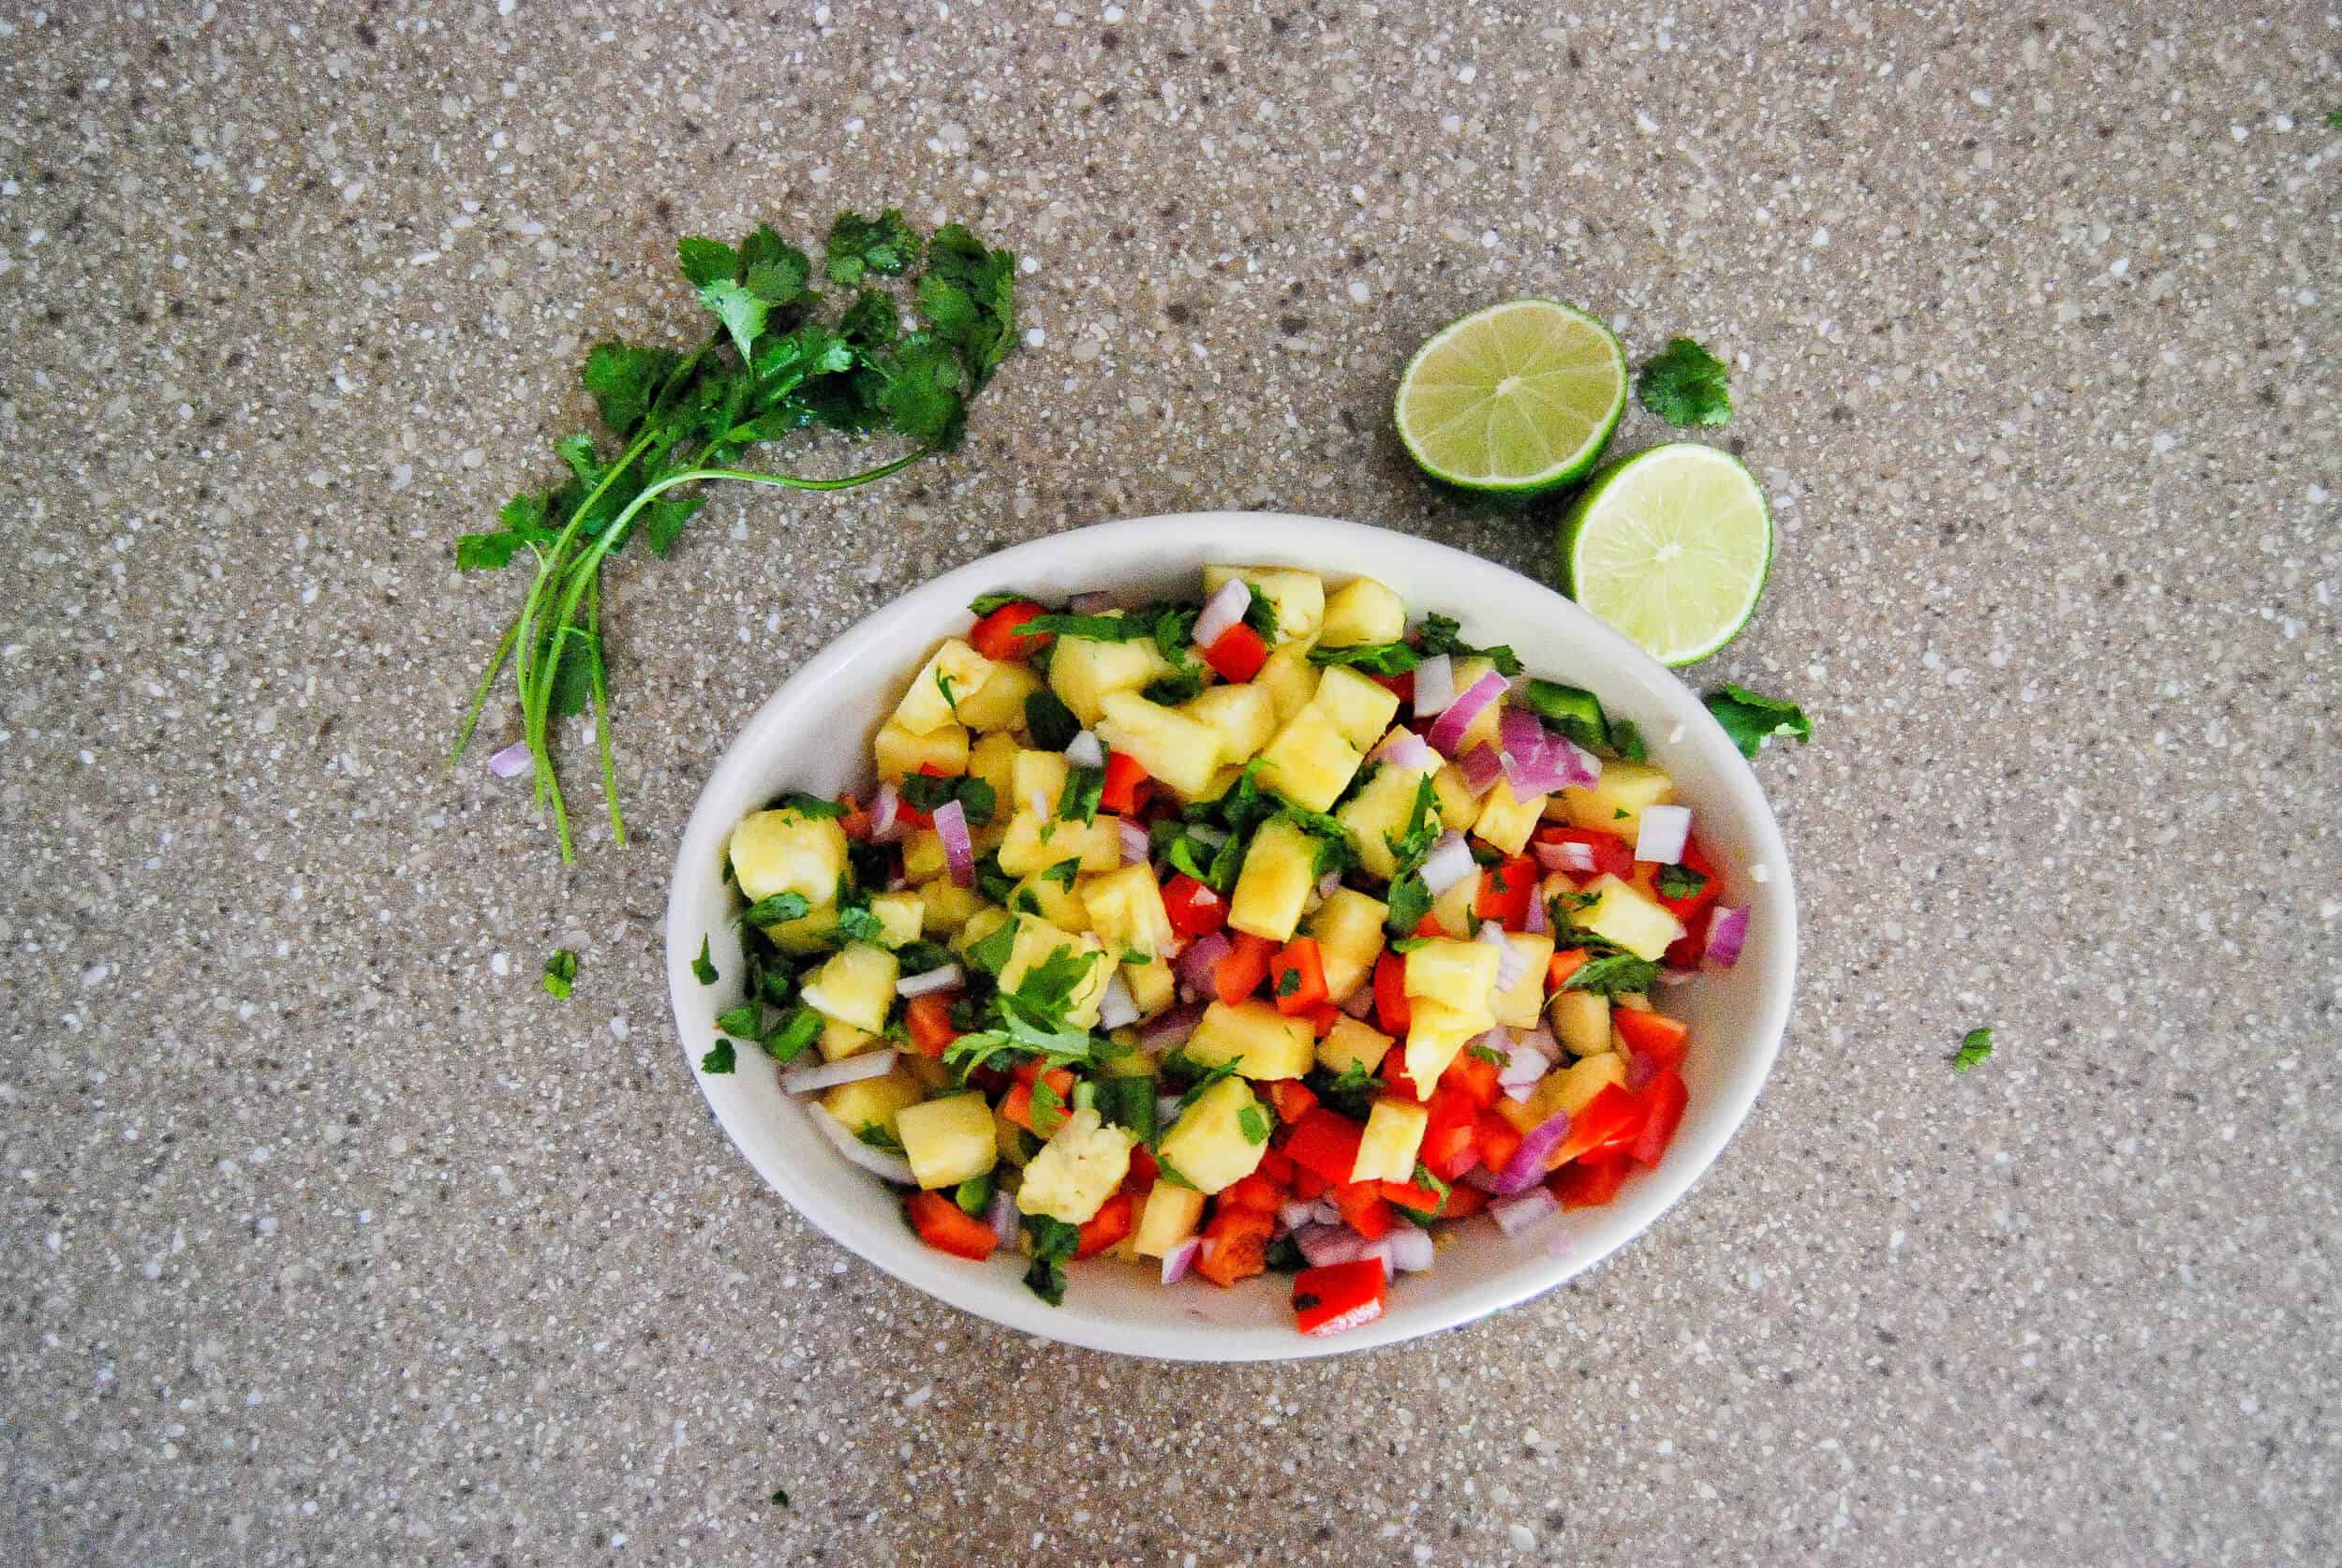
x,y
602,713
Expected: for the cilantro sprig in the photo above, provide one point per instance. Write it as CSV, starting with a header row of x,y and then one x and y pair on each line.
x,y
1975,1047
774,364
1685,384
1752,719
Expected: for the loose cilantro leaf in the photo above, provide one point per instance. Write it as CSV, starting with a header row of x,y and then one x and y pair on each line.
x,y
1613,974
1261,614
719,1058
875,1135
1489,1054
1093,628
1685,384
810,806
561,972
1063,872
1410,902
1439,637
984,604
1680,882
885,243
1049,721
778,909
1048,1107
1352,1091
1053,1242
1752,719
781,1496
1083,787
1975,1047
740,1022
857,922
1195,1091
991,954
702,966
787,1040
1254,1123
929,793
1375,658
625,379
2334,120
705,261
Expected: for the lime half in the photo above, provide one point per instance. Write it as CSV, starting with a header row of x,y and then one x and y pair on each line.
x,y
1669,546
1515,399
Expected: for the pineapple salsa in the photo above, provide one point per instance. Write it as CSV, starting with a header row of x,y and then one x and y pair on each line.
x,y
1257,934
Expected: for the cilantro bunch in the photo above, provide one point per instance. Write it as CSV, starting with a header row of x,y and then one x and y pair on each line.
x,y
779,360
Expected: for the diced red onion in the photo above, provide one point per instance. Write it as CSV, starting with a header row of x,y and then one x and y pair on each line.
x,y
886,824
1532,918
1171,1028
1329,1244
1404,748
1481,768
1115,1008
940,979
1001,1215
1539,762
511,761
1479,1176
1569,856
1434,685
1222,611
1664,829
1294,1216
1093,603
1199,963
1726,930
1084,751
1449,862
1515,1215
1447,730
1523,1066
1409,1247
960,851
829,1074
1527,1165
1177,1262
1379,1251
887,1167
1360,1002
1327,1213
1327,884
1511,964
1135,843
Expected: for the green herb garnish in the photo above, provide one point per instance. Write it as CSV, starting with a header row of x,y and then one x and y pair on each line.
x,y
561,972
1752,719
1975,1047
702,966
719,1058
1685,384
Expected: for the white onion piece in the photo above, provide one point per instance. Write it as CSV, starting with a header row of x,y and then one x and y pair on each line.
x,y
1134,841
1177,1262
886,824
1222,611
1294,1216
1115,1008
1040,804
1379,1251
1523,1066
887,1167
1329,1244
960,851
919,985
1511,964
1515,1215
1003,1214
1569,856
1167,1110
1084,751
1533,920
1517,1093
852,1070
1435,686
1327,885
1449,862
1726,931
511,761
1410,1248
1403,749
1665,828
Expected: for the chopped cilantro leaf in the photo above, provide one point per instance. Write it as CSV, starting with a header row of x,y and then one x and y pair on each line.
x,y
1084,787
702,966
1288,982
1254,1123
1973,1047
1261,614
1093,628
991,954
561,972
1053,1242
1680,882
778,909
876,1136
1613,974
1439,637
1489,1054
720,1058
813,806
1685,384
1410,902
1626,740
788,1039
1752,719
984,604
1423,829
1049,721
1062,873
1375,658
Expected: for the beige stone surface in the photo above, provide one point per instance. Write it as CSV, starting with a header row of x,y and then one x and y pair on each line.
x,y
326,1238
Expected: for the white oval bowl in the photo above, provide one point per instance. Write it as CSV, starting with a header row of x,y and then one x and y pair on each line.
x,y
813,734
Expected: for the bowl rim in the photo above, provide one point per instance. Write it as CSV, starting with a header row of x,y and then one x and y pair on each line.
x,y
1263,537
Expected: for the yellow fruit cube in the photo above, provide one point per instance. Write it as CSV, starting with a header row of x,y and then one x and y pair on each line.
x,y
1362,610
1351,1042
1262,1042
1152,987
1615,803
1043,895
1289,678
873,1102
812,934
1582,1022
1460,974
1280,870
1037,941
1452,910
993,758
945,907
1380,813
1031,845
1458,807
785,851
948,1140
1082,671
998,705
900,916
1309,762
1126,911
839,1040
1243,716
1517,1008
982,923
1348,926
856,985
1169,1218
1076,1170
1360,709
1213,1144
901,753
1182,751
1506,821
1436,1032
1624,914
1036,779
1394,1134
1299,597
1580,1081
953,672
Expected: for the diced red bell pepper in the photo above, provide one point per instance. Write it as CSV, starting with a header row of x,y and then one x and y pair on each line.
x,y
1612,856
1687,951
1126,787
1277,1166
1463,1202
1651,1037
1363,1208
855,823
1497,1139
1236,1245
1242,970
1297,976
1340,1297
943,1225
1110,1224
1451,1136
1587,1183
1473,1076
1325,1142
1400,687
1561,966
929,1019
1237,654
1323,1017
1195,910
1143,1172
1254,1191
1611,1119
905,811
997,635
1308,1184
1505,889
1017,1106
1293,1099
1695,859
1663,1101
1393,1073
1390,993
1406,1194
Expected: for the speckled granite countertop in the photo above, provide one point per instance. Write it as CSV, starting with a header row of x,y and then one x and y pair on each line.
x,y
329,1239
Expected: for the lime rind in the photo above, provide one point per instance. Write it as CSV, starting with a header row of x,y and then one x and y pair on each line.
x,y
1513,400
1671,548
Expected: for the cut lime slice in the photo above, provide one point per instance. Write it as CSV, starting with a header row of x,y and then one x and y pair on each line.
x,y
1669,546
1515,399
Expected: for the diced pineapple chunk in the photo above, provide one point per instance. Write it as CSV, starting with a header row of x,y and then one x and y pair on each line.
x,y
1362,610
1031,846
839,1040
856,985
1351,1042
1169,1218
1243,716
786,851
1052,900
873,1102
1615,803
1506,821
1459,974
1452,910
899,916
1458,807
900,753
1151,985
1262,1042
1394,1133
1380,812
1359,708
998,705
1583,1079
1211,1146
1126,911
945,907
927,706
1309,762
948,1140
1183,752
1037,941
1076,1170
1082,671
1623,914
1289,678
1436,1032
1517,1008
993,758
1279,873
1348,926
1037,776
1582,1022
812,934
1299,597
